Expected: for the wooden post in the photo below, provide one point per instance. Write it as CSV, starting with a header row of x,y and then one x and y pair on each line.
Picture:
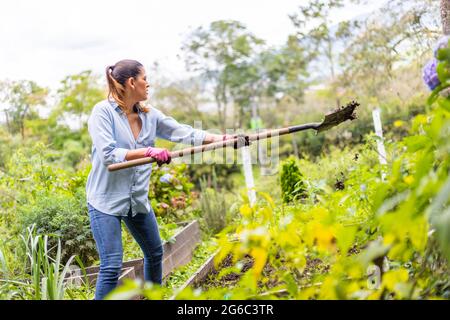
x,y
380,143
248,173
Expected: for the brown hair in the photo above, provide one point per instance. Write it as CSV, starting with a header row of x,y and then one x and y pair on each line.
x,y
117,75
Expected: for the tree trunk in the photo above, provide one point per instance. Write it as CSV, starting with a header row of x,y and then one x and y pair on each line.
x,y
225,116
445,16
22,122
233,105
225,103
22,130
333,73
219,107
7,121
241,116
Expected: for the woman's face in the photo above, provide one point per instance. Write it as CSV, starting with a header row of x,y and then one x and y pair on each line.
x,y
140,86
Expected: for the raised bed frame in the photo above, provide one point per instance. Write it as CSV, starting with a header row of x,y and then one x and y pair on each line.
x,y
176,254
200,275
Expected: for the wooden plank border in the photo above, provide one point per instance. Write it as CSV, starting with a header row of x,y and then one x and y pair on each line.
x,y
200,275
176,254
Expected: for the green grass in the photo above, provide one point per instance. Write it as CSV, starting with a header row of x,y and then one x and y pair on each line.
x,y
180,275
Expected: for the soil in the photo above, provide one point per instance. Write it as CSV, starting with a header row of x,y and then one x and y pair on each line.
x,y
229,280
353,250
339,185
313,267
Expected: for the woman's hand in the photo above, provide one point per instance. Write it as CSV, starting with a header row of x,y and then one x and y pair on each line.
x,y
160,154
243,140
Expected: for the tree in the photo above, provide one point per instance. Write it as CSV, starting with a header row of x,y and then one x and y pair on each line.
x,y
322,39
77,95
179,97
222,53
21,98
283,70
399,33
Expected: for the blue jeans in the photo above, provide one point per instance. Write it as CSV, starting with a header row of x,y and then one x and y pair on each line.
x,y
107,233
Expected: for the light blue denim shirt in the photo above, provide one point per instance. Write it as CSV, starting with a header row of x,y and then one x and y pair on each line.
x,y
115,192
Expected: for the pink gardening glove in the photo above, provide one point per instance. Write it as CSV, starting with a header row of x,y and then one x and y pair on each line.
x,y
161,155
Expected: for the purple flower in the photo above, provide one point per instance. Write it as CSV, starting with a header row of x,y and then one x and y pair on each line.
x,y
441,44
166,178
430,76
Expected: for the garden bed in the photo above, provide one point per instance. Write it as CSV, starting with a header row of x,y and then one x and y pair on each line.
x,y
199,275
176,253
207,276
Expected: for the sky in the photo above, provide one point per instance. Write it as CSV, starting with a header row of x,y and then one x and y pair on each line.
x,y
46,40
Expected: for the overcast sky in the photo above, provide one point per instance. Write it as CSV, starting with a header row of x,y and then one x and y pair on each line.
x,y
46,40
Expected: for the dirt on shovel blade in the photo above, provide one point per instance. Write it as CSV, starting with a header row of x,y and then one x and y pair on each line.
x,y
338,116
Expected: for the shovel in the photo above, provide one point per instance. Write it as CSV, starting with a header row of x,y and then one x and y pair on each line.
x,y
331,120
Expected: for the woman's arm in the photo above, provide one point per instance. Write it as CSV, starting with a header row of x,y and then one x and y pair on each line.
x,y
135,154
101,131
168,128
210,138
140,153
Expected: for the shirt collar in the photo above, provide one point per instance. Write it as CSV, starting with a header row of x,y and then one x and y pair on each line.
x,y
116,107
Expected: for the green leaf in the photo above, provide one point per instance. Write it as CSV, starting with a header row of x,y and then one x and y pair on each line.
x,y
291,284
443,54
374,250
418,142
345,237
442,225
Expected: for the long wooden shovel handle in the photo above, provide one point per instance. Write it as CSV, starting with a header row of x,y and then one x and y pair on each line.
x,y
332,119
213,146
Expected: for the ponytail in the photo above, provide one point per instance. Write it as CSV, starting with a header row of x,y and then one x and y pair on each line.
x,y
116,76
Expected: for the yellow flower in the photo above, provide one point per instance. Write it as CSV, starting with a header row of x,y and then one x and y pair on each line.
x,y
245,210
408,180
398,123
421,119
324,235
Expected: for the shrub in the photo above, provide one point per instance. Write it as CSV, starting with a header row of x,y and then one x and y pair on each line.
x,y
291,179
224,174
170,189
213,205
62,215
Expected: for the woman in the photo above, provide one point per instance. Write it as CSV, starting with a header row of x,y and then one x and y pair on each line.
x,y
123,129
